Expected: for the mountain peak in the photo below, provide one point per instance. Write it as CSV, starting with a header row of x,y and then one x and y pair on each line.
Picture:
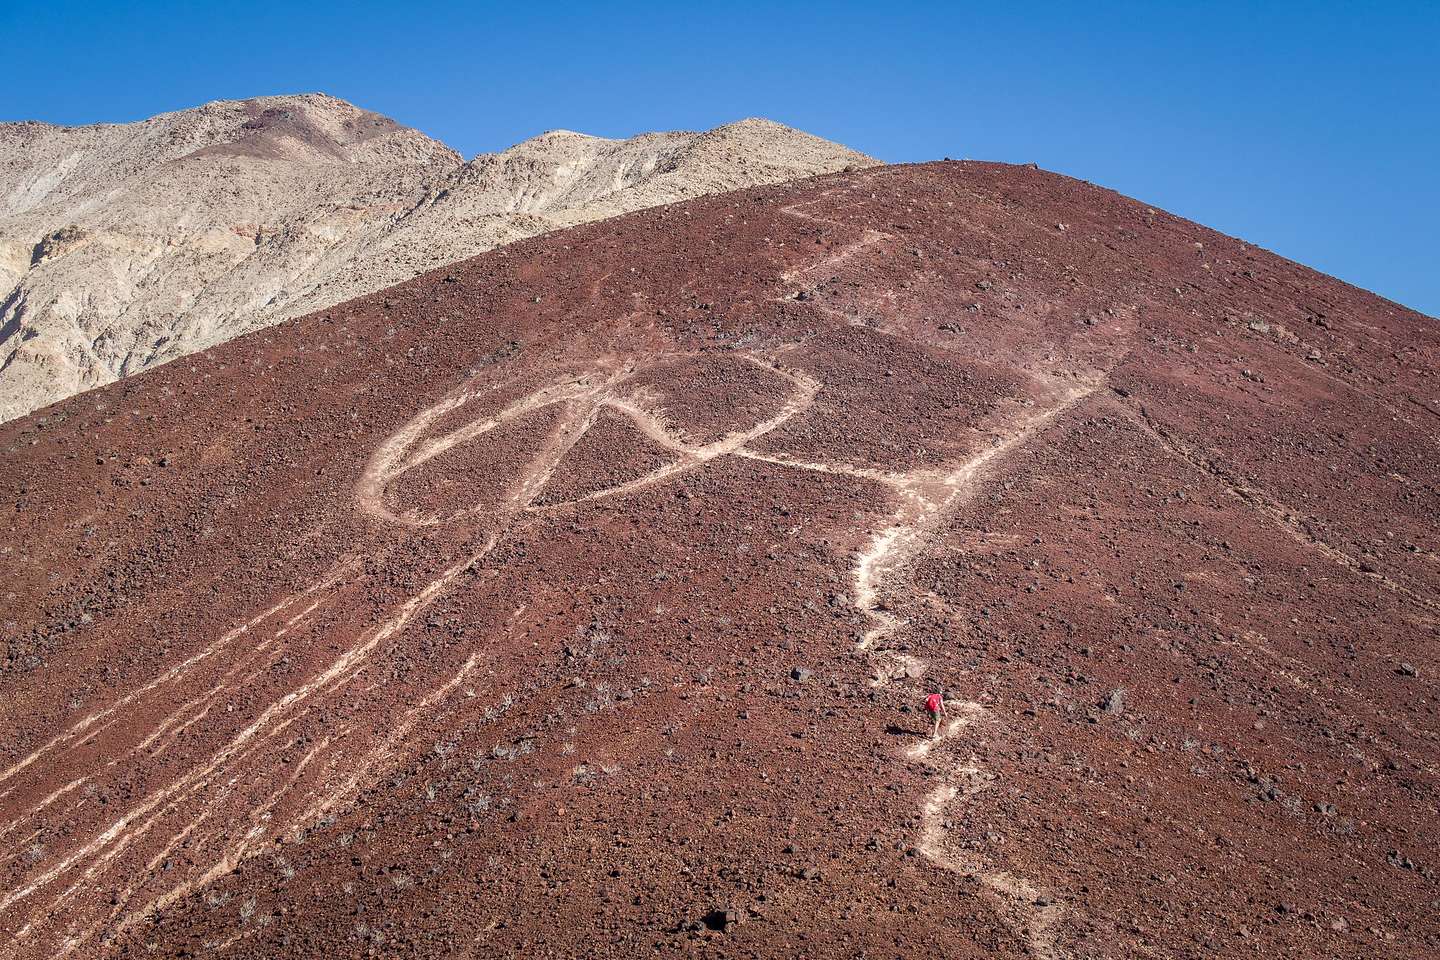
x,y
193,226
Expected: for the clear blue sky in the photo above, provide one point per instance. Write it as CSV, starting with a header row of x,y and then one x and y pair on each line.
x,y
1312,129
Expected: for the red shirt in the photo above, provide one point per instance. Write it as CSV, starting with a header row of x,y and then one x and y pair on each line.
x,y
934,702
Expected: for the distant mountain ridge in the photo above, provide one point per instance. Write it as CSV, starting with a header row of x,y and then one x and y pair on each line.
x,y
127,245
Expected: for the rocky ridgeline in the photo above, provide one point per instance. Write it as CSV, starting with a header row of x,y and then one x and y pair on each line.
x,y
123,246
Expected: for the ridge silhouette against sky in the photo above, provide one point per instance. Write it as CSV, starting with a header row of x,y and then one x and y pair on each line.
x,y
1308,129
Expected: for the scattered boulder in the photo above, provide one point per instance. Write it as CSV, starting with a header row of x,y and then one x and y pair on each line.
x,y
1396,859
720,919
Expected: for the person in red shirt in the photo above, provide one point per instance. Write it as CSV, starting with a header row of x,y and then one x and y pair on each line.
x,y
935,705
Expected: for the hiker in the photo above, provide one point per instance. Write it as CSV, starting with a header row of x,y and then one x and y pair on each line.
x,y
935,704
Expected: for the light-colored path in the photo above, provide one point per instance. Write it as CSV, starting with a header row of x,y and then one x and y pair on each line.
x,y
924,501
225,805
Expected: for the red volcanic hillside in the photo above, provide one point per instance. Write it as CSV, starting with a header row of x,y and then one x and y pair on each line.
x,y
581,600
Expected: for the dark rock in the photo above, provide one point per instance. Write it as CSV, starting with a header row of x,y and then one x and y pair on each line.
x,y
720,919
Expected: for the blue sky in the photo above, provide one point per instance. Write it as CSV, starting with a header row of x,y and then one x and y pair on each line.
x,y
1312,129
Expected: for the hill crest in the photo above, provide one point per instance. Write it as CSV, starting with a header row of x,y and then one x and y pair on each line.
x,y
609,571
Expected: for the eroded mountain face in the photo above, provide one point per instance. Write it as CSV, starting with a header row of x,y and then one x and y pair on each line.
x,y
580,599
127,245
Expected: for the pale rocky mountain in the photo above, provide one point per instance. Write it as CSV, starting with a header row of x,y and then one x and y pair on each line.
x,y
123,246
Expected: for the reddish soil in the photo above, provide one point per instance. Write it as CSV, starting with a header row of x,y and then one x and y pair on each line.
x,y
611,453
474,475
579,599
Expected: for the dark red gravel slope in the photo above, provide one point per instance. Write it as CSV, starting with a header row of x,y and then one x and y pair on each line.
x,y
579,600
